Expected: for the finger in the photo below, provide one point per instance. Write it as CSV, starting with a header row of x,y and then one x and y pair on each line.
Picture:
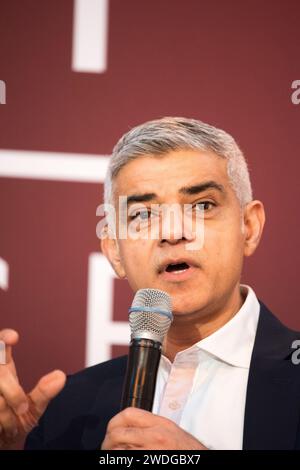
x,y
12,392
126,437
133,417
46,389
10,338
9,423
3,404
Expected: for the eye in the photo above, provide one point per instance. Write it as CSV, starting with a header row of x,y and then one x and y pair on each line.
x,y
205,205
142,215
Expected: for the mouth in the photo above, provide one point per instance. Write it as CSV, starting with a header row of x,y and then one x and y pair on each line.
x,y
177,270
177,267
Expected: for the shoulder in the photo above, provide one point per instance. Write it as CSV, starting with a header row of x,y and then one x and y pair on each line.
x,y
96,375
274,322
82,387
273,337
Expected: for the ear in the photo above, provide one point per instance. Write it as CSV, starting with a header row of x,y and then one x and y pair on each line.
x,y
254,221
110,248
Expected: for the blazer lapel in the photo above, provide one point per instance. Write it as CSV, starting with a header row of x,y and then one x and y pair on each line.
x,y
273,397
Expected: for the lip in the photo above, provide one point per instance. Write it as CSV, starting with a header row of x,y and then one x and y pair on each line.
x,y
181,275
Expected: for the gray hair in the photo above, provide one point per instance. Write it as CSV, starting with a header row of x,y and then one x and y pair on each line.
x,y
160,136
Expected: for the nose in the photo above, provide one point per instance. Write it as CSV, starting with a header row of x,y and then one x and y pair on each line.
x,y
173,228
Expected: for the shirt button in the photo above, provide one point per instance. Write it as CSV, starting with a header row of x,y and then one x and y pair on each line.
x,y
174,405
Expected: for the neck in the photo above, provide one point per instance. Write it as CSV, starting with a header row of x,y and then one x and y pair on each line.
x,y
186,330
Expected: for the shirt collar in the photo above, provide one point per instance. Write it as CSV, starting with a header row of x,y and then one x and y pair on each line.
x,y
233,342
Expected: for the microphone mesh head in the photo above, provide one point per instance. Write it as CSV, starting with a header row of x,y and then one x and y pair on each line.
x,y
152,315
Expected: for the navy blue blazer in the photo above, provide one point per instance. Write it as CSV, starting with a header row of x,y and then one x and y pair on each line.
x,y
77,418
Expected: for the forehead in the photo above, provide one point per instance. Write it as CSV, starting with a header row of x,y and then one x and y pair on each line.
x,y
166,174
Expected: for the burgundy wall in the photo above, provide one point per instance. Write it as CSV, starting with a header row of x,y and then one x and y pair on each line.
x,y
226,62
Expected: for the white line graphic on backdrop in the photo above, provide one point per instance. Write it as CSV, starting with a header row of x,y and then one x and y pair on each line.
x,y
102,331
53,166
4,274
90,29
2,92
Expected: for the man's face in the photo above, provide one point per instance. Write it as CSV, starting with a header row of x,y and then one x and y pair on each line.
x,y
214,269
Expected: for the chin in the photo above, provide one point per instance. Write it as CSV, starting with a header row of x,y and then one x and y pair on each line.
x,y
183,306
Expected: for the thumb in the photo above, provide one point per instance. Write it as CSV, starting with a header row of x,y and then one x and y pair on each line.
x,y
46,389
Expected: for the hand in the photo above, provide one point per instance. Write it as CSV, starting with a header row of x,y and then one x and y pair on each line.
x,y
133,428
20,412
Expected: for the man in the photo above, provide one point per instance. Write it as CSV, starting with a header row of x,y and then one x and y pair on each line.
x,y
226,379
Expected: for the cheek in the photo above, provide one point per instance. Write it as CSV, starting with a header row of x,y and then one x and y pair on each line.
x,y
135,259
223,248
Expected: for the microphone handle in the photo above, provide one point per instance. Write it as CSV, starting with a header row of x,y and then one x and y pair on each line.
x,y
140,380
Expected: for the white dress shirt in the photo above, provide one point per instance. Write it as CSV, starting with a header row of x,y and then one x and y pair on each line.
x,y
204,389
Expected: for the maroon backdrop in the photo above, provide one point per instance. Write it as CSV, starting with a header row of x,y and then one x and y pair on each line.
x,y
229,63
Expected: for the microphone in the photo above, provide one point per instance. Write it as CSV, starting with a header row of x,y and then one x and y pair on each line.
x,y
150,317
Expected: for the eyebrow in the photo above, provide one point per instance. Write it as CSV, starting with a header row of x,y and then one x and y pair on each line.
x,y
188,190
199,188
141,197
